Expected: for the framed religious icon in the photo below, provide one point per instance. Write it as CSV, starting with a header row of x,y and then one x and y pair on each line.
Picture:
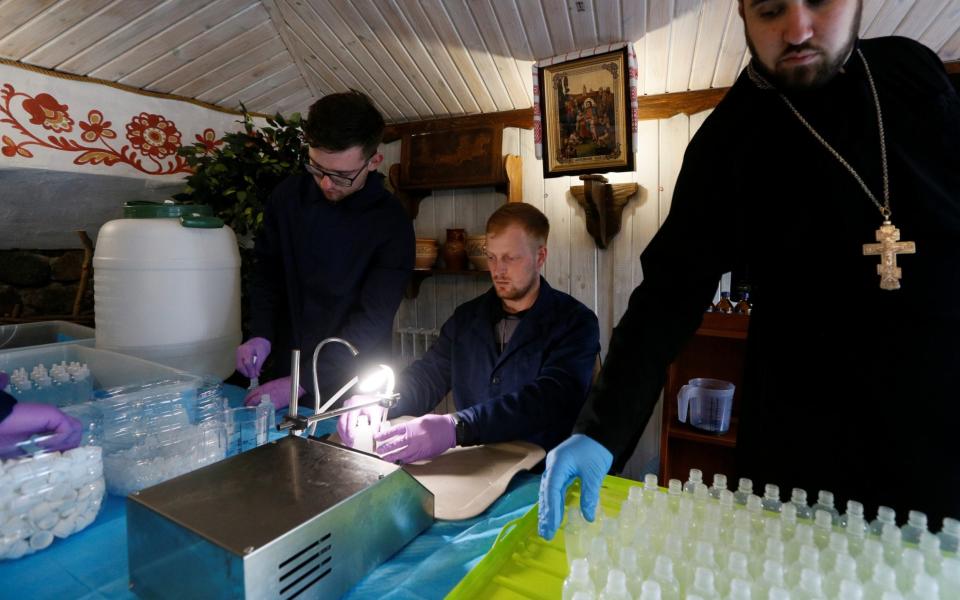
x,y
585,112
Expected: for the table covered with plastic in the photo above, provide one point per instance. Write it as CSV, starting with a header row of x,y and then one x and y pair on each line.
x,y
93,562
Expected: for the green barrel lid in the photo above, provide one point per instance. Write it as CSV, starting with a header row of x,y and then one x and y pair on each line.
x,y
190,215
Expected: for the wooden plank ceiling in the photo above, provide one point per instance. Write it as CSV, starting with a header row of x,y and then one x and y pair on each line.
x,y
417,59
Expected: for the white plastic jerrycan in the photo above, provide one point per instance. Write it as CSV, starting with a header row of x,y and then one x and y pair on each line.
x,y
709,402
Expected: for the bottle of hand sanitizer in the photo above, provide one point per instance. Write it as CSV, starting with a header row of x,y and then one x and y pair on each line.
x,y
363,435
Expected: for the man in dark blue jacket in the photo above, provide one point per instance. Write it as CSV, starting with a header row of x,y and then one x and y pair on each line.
x,y
334,255
519,358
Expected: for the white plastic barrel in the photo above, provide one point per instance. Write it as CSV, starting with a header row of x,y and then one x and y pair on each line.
x,y
167,287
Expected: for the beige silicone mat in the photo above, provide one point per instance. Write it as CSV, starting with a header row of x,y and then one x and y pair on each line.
x,y
466,481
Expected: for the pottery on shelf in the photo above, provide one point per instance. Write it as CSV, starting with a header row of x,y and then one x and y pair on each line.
x,y
455,251
476,252
426,256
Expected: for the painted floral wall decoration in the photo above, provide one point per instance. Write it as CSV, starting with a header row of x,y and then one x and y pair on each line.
x,y
151,143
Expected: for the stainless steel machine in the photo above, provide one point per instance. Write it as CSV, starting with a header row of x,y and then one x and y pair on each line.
x,y
295,518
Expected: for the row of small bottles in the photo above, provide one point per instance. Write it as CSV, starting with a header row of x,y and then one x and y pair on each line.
x,y
62,385
711,543
726,306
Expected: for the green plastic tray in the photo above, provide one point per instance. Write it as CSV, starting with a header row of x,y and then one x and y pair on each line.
x,y
521,564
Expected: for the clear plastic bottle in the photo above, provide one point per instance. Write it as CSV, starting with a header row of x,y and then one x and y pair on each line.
x,y
844,568
629,564
882,581
892,541
910,566
809,560
885,516
650,590
755,510
929,546
674,493
949,579
924,588
949,535
744,489
825,502
916,525
770,578
772,552
736,569
850,589
836,547
616,587
665,578
798,497
788,520
802,536
703,584
719,483
856,532
695,477
822,528
810,586
854,509
778,593
739,590
599,560
573,534
870,557
578,580
743,307
771,497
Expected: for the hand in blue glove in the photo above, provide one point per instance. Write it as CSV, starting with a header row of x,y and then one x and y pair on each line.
x,y
423,438
251,355
278,390
28,419
578,456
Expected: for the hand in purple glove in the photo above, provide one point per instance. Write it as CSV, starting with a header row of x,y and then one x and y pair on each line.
x,y
423,438
279,391
348,421
4,381
251,355
28,419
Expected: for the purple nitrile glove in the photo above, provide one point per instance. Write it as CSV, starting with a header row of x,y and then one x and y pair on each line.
x,y
348,421
423,438
279,391
28,419
251,355
4,381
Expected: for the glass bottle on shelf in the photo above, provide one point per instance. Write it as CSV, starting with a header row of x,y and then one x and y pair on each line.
x,y
723,304
743,307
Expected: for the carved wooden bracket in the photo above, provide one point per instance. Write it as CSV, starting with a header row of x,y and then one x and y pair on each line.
x,y
410,199
603,205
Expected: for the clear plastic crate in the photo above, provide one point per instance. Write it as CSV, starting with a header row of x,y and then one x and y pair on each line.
x,y
44,333
46,495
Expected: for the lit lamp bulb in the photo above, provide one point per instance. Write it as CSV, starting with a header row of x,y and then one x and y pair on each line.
x,y
379,378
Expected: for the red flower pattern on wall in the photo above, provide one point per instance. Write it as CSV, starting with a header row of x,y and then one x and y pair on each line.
x,y
46,111
152,137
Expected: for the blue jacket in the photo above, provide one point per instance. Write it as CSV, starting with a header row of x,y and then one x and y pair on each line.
x,y
533,391
330,269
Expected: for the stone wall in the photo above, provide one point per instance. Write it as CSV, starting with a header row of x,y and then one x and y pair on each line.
x,y
42,282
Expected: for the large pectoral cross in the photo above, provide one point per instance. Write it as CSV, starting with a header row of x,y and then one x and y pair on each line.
x,y
888,248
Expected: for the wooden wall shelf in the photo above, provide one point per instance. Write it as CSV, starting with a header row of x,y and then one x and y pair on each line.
x,y
716,350
413,288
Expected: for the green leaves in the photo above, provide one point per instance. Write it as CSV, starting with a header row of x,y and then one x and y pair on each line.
x,y
237,177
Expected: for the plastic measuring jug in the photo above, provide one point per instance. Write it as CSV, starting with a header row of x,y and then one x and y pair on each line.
x,y
708,402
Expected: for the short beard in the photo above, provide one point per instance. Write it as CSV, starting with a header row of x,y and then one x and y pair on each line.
x,y
515,293
808,77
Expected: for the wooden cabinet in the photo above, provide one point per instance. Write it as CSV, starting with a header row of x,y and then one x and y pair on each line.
x,y
716,350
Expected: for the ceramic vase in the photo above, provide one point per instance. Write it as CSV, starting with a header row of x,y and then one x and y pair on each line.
x,y
455,251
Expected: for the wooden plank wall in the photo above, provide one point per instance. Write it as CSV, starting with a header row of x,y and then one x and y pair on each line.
x,y
601,279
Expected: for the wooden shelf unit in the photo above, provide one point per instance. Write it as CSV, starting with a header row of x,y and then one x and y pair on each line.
x,y
413,288
717,351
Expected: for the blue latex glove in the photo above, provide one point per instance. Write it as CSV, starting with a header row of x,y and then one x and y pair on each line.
x,y
420,439
251,355
579,456
348,421
279,390
28,419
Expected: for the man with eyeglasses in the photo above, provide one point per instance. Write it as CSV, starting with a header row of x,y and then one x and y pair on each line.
x,y
519,359
333,258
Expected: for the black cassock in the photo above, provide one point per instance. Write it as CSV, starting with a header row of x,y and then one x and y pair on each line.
x,y
847,387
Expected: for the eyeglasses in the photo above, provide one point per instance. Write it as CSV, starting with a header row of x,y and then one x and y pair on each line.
x,y
336,178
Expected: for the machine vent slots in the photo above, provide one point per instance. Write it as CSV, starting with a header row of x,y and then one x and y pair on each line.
x,y
301,570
